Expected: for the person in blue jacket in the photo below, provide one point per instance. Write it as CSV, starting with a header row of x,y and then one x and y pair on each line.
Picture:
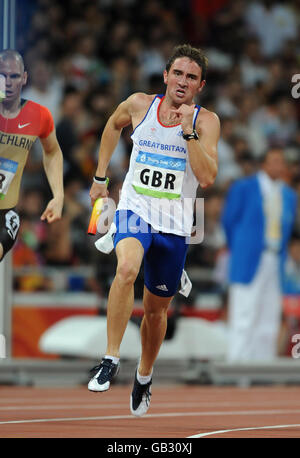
x,y
258,218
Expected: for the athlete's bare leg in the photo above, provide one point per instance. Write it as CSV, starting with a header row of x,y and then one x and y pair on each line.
x,y
153,329
1,251
130,254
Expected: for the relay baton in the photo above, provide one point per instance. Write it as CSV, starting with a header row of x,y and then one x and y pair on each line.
x,y
97,209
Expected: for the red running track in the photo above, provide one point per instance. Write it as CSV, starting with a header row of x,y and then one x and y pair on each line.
x,y
177,411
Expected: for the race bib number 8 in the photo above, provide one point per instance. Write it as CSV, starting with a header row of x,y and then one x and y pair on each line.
x,y
159,176
8,170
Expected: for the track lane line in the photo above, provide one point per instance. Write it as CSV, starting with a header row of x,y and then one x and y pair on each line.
x,y
155,405
223,431
159,415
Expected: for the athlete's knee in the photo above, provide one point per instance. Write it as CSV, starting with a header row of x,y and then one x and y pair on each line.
x,y
155,315
127,272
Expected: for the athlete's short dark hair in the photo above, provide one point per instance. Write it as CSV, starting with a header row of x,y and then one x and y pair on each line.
x,y
194,54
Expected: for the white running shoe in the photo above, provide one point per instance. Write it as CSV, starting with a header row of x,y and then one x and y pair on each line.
x,y
103,373
140,397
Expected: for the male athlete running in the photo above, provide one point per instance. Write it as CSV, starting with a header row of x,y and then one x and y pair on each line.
x,y
21,123
174,150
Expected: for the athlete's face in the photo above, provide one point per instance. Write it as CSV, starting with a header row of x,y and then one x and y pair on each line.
x,y
15,78
183,80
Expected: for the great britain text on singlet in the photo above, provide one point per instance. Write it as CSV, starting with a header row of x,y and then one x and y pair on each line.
x,y
162,147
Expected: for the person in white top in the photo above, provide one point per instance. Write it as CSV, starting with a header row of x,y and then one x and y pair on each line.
x,y
174,150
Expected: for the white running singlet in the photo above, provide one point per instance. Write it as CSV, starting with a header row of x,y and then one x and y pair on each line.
x,y
160,185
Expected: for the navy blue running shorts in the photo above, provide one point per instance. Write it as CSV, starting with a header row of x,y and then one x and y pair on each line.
x,y
164,253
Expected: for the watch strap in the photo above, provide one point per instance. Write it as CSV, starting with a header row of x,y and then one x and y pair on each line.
x,y
193,136
101,180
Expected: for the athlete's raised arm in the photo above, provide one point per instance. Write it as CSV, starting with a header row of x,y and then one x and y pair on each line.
x,y
203,154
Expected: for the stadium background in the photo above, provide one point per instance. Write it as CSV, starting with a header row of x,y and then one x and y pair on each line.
x,y
83,59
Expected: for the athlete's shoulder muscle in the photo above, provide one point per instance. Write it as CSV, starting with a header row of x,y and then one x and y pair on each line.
x,y
208,116
140,101
133,107
208,121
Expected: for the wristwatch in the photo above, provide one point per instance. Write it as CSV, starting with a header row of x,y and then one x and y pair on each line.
x,y
193,136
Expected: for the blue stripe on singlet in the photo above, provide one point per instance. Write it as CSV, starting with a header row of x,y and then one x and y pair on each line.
x,y
198,108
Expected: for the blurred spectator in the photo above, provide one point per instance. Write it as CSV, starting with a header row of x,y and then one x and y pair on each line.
x,y
228,98
252,134
287,122
44,88
228,168
67,131
86,69
258,218
65,245
228,26
120,78
276,121
273,23
253,68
